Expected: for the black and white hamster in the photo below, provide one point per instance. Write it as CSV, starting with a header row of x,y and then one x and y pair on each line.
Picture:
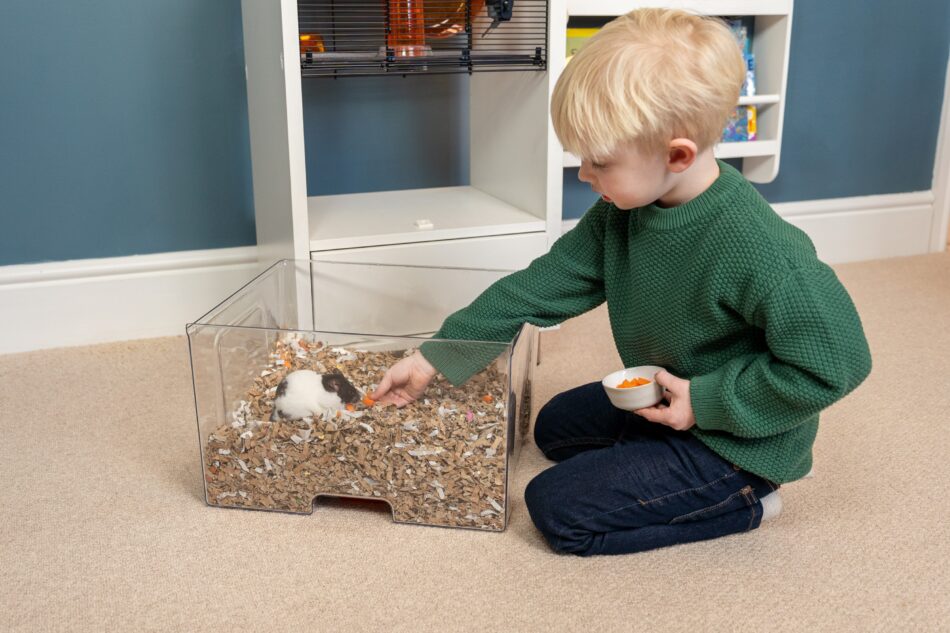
x,y
305,393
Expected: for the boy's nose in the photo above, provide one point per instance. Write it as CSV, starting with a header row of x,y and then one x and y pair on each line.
x,y
583,174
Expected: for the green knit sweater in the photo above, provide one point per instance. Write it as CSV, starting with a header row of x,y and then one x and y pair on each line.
x,y
720,291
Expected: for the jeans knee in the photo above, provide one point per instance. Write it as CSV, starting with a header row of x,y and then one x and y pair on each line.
x,y
544,507
538,500
543,424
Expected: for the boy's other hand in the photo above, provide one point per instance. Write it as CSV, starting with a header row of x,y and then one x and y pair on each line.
x,y
405,381
678,414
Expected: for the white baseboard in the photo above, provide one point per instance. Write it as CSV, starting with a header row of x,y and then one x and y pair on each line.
x,y
941,220
81,302
861,228
89,301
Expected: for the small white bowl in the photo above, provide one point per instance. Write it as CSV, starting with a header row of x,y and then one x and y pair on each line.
x,y
633,398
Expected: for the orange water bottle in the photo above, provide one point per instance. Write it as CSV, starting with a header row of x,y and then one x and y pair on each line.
x,y
407,36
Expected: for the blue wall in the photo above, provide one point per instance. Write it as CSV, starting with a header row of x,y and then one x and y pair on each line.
x,y
123,128
865,89
386,133
123,125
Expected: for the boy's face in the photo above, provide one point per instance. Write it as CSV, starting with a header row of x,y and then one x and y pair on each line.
x,y
630,178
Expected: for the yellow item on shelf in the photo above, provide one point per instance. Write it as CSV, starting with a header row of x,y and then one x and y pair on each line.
x,y
576,39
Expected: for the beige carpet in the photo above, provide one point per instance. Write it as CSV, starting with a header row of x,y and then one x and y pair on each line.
x,y
104,526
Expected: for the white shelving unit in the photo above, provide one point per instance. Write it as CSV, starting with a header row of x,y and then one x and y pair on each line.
x,y
510,212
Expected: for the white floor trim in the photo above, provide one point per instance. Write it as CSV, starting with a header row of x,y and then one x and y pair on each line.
x,y
861,228
100,300
81,302
941,219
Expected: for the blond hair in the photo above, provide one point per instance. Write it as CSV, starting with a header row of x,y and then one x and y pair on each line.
x,y
646,78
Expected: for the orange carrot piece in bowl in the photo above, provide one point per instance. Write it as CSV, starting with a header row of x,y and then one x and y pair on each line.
x,y
633,382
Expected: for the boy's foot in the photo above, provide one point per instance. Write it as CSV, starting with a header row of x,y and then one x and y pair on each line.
x,y
771,505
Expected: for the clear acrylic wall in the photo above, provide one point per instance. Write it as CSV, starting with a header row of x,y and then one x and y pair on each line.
x,y
443,460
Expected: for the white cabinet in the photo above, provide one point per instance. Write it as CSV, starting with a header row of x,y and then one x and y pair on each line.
x,y
517,165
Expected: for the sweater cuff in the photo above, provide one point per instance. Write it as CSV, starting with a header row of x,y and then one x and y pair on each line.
x,y
705,395
460,360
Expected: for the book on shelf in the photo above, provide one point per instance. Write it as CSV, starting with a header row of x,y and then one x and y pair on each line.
x,y
741,125
740,30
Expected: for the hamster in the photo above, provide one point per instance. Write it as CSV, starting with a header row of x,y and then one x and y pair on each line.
x,y
305,393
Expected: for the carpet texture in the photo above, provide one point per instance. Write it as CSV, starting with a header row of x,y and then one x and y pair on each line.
x,y
105,528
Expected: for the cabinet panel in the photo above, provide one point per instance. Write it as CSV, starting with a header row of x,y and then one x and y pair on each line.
x,y
409,289
503,252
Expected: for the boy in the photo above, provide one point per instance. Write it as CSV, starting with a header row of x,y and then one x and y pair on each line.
x,y
700,276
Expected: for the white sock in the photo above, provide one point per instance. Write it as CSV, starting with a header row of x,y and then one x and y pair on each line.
x,y
771,505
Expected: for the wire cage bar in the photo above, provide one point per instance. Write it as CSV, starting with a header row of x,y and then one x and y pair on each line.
x,y
340,38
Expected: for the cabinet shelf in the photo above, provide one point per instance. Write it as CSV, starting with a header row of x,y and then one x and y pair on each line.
x,y
759,100
389,217
745,149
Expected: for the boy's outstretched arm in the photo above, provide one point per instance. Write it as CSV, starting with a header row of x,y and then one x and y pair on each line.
x,y
817,355
563,283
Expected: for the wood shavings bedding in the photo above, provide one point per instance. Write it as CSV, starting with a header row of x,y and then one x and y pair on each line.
x,y
438,461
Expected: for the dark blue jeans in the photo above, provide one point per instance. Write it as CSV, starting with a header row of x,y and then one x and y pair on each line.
x,y
624,484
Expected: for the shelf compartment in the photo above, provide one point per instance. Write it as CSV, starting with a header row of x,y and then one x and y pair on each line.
x,y
389,217
744,149
340,38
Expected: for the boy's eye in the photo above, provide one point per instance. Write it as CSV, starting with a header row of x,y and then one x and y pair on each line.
x,y
597,165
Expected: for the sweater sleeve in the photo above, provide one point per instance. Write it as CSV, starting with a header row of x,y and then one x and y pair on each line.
x,y
565,282
817,354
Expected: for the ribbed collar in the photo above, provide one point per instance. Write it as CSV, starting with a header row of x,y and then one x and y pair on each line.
x,y
703,205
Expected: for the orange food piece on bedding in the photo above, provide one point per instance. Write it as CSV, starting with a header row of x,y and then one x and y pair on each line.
x,y
487,398
368,401
635,382
350,407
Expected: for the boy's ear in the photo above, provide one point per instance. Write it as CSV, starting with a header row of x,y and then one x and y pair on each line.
x,y
682,153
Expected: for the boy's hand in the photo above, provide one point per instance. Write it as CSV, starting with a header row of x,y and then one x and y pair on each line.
x,y
679,413
405,381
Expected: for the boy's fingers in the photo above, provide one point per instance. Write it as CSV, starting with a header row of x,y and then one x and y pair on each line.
x,y
390,399
402,400
654,414
666,380
382,388
395,397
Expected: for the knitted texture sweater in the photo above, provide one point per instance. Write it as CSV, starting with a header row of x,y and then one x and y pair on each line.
x,y
720,291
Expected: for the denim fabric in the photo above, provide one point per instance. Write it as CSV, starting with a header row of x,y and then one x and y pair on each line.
x,y
624,484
